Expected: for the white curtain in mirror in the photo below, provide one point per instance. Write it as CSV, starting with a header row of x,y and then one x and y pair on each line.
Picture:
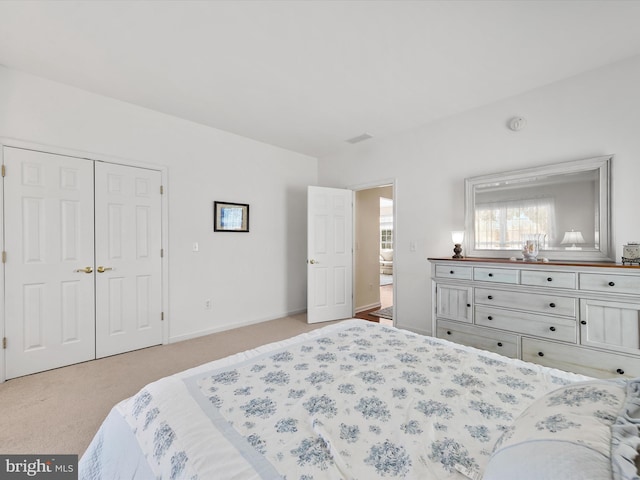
x,y
507,225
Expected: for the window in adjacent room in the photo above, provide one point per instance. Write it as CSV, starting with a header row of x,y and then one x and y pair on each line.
x,y
386,224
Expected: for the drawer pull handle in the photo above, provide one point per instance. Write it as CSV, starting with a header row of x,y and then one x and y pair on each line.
x,y
451,272
620,371
549,279
552,305
540,354
448,332
490,297
583,322
489,317
612,284
499,344
491,274
553,329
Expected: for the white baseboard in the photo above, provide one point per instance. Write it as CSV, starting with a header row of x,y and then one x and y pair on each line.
x,y
222,328
368,307
419,331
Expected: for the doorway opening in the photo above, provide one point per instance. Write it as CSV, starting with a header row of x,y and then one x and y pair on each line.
x,y
374,254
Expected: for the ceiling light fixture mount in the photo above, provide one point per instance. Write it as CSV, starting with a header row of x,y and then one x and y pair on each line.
x,y
517,123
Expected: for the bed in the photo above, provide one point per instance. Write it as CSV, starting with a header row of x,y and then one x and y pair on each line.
x,y
358,400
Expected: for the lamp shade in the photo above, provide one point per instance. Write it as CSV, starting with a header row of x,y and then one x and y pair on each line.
x,y
572,238
457,236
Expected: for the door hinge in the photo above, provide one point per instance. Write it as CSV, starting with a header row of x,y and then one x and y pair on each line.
x,y
162,316
4,170
161,252
161,189
4,257
4,342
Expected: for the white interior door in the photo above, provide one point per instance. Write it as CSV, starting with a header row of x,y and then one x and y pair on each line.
x,y
49,288
330,254
128,262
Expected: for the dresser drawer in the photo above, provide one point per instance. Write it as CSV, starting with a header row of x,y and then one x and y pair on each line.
x,y
610,283
554,328
542,303
548,279
498,275
454,271
579,360
485,339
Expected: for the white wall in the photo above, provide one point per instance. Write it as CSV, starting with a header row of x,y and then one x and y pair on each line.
x,y
592,114
250,277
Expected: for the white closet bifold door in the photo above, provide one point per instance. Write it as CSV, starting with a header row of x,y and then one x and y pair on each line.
x,y
128,262
49,282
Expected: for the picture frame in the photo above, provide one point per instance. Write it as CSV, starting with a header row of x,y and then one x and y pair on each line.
x,y
230,217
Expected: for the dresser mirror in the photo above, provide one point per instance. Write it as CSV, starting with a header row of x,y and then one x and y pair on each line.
x,y
562,209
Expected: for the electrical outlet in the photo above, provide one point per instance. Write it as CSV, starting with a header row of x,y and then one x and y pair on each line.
x,y
207,304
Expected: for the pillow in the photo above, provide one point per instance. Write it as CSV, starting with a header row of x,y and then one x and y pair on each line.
x,y
585,430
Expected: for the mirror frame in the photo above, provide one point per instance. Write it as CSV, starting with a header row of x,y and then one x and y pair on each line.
x,y
602,165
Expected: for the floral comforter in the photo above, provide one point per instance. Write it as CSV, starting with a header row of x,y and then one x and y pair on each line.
x,y
354,400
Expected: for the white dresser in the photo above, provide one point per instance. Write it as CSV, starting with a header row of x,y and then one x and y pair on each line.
x,y
584,318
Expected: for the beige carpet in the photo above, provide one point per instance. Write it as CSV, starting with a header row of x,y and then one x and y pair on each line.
x,y
59,411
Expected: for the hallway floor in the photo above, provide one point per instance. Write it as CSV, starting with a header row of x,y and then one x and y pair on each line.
x,y
386,300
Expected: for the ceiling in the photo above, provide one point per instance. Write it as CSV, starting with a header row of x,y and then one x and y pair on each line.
x,y
308,75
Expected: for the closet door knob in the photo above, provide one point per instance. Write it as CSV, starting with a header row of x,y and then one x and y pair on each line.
x,y
102,269
583,322
84,270
490,297
552,305
549,279
553,329
612,284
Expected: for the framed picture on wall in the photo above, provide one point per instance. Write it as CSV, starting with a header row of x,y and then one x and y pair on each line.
x,y
230,217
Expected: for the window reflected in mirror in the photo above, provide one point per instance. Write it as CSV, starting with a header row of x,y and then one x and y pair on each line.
x,y
507,216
